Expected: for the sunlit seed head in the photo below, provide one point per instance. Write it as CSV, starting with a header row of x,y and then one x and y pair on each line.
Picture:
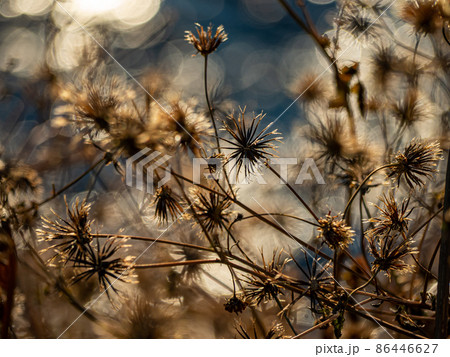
x,y
249,147
206,43
416,163
334,232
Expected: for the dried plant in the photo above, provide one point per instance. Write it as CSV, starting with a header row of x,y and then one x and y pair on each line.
x,y
388,252
101,261
417,162
206,42
333,231
70,237
393,219
249,146
74,132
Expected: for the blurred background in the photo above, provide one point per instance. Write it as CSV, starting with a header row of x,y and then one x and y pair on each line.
x,y
255,68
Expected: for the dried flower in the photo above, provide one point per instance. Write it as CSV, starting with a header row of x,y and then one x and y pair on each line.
x,y
359,23
249,147
167,204
97,103
384,62
190,272
311,88
72,235
235,304
334,231
332,139
394,218
315,279
126,132
212,209
411,109
18,178
206,43
417,161
388,252
100,261
190,128
424,15
264,289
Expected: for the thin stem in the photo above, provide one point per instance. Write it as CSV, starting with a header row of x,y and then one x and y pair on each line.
x,y
335,268
205,77
430,266
293,191
347,207
216,133
277,214
156,240
237,244
174,264
425,223
70,184
315,327
365,284
284,314
441,326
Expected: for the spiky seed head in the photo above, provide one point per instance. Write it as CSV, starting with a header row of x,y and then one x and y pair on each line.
x,y
102,261
393,217
167,204
334,231
423,15
206,43
235,304
212,209
71,236
417,162
250,147
389,252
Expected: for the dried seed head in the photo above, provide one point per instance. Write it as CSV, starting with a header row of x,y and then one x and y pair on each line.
x,y
311,88
190,129
383,62
192,272
206,43
167,205
334,231
71,236
249,146
417,162
389,252
212,209
411,109
393,219
333,140
261,289
235,304
423,15
101,261
17,178
96,102
359,23
144,319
